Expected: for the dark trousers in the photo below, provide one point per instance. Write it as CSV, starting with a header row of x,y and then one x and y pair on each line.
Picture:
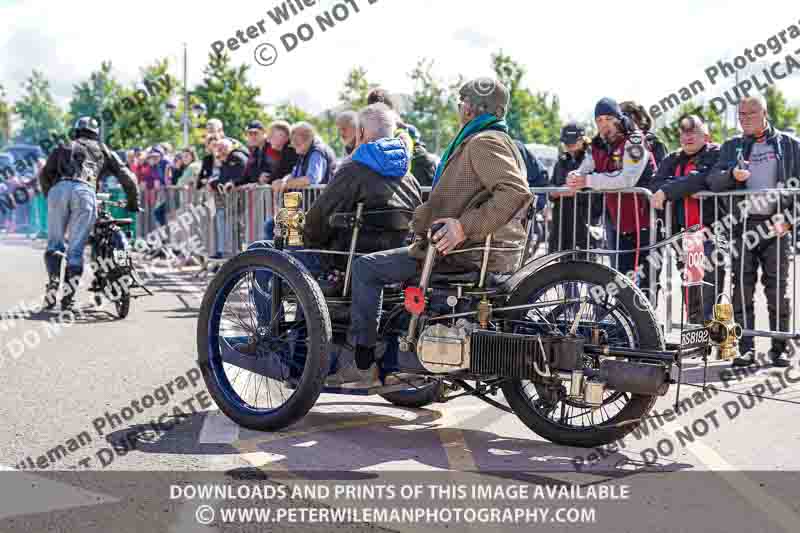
x,y
629,261
261,290
370,273
772,255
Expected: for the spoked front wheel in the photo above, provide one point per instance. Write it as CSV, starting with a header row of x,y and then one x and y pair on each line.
x,y
263,337
627,321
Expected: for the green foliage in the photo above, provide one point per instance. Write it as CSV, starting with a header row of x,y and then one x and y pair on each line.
x,y
434,106
90,97
532,117
781,114
5,117
292,114
229,96
139,117
356,89
41,116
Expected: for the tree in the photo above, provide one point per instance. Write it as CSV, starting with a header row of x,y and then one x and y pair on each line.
x,y
356,89
229,96
781,114
41,116
91,97
434,106
139,117
532,117
5,117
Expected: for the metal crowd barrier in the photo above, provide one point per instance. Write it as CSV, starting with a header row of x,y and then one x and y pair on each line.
x,y
736,233
587,229
594,231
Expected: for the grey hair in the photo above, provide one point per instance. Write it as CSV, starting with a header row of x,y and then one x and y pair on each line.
x,y
214,123
378,121
304,128
347,118
755,97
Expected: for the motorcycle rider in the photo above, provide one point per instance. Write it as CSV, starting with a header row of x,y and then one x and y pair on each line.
x,y
69,180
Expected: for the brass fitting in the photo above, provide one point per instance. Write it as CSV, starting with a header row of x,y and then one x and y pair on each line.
x,y
290,219
723,331
484,312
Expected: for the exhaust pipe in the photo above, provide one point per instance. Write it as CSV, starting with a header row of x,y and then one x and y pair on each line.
x,y
636,378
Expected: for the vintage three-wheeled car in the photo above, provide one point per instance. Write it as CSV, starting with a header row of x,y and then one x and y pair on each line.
x,y
573,345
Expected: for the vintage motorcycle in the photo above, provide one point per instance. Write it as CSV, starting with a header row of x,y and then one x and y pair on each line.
x,y
574,346
116,276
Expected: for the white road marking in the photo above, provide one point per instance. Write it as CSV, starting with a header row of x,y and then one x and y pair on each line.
x,y
218,429
775,510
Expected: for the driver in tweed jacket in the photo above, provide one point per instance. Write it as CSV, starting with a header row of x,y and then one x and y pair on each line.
x,y
480,188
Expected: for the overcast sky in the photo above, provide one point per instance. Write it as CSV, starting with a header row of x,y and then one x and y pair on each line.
x,y
581,50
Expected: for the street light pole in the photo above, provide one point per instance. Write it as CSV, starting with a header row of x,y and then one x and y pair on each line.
x,y
185,101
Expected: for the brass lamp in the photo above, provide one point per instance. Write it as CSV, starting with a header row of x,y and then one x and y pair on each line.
x,y
290,219
723,331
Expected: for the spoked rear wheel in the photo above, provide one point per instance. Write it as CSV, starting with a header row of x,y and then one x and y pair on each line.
x,y
627,321
264,359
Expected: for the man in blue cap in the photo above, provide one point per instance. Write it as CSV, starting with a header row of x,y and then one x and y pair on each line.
x,y
620,159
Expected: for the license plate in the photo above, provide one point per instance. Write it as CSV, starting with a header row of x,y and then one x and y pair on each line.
x,y
694,338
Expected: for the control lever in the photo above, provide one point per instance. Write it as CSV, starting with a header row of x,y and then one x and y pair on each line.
x,y
407,342
435,229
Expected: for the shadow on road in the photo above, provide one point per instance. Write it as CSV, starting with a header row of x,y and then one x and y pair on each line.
x,y
355,436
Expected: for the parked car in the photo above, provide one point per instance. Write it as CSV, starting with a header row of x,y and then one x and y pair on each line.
x,y
27,153
548,155
6,165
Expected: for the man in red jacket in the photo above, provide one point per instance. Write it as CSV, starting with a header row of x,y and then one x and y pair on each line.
x,y
680,176
620,158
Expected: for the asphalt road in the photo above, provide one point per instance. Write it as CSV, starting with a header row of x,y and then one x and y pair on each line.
x,y
726,470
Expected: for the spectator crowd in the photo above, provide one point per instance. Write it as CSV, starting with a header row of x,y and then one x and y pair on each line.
x,y
623,153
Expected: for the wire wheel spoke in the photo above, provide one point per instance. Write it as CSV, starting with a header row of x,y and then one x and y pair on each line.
x,y
566,308
246,333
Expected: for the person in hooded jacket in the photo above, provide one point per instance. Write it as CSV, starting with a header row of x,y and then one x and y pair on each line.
x,y
376,175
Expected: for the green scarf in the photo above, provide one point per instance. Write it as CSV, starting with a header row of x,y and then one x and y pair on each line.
x,y
476,125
